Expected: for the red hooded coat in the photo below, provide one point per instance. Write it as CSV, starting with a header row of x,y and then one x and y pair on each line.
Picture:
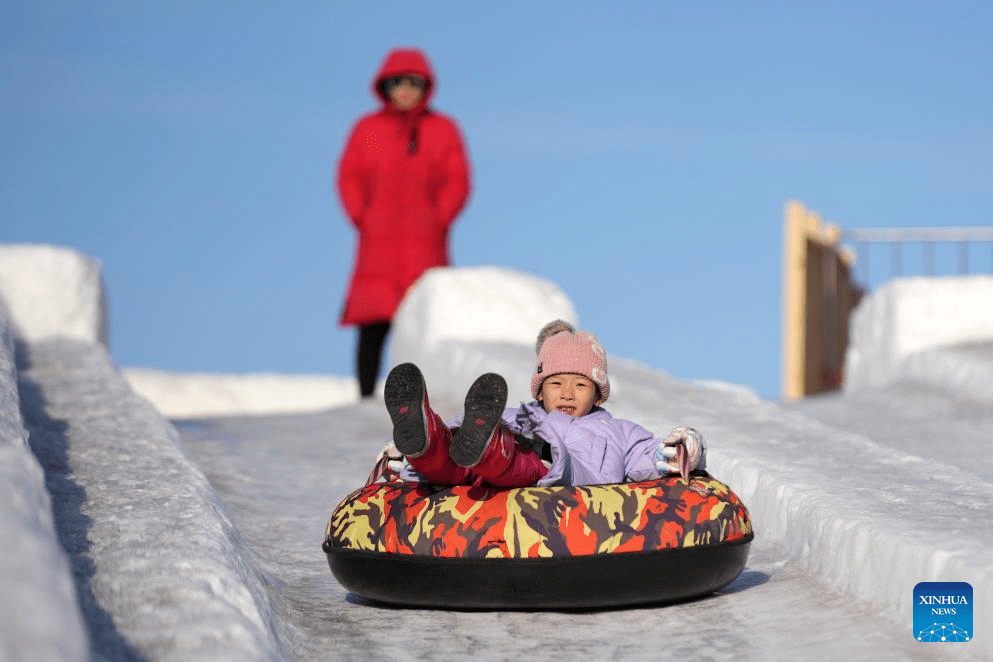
x,y
403,178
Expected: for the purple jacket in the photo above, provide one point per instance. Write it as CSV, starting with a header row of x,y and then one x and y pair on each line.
x,y
589,450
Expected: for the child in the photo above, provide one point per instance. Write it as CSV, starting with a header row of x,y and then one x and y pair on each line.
x,y
563,437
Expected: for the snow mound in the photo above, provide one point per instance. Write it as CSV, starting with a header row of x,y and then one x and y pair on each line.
x,y
910,328
450,312
69,284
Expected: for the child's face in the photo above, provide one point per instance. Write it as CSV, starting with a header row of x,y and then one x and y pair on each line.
x,y
568,393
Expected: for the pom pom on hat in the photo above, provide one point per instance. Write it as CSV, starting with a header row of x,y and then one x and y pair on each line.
x,y
561,349
549,330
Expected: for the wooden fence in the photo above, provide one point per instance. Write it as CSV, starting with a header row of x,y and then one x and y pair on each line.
x,y
819,294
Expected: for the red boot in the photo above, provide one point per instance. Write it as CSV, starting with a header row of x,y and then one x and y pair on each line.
x,y
484,445
418,432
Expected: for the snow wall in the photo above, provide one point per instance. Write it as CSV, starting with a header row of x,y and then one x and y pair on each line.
x,y
143,547
869,533
936,331
34,569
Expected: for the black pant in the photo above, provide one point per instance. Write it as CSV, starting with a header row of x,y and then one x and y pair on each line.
x,y
372,337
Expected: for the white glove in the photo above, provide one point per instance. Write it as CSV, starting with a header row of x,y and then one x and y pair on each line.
x,y
389,463
694,449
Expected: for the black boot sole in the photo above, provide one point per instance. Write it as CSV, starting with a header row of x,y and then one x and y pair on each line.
x,y
404,396
484,404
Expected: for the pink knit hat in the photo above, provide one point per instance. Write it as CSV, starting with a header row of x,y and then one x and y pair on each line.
x,y
561,349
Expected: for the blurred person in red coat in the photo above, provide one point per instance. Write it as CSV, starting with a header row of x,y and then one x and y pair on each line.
x,y
403,179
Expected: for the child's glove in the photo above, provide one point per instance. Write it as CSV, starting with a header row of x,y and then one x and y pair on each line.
x,y
669,459
389,463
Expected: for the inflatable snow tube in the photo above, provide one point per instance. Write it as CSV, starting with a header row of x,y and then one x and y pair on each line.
x,y
539,547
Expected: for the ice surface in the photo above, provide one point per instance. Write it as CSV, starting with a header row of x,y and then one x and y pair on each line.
x,y
849,513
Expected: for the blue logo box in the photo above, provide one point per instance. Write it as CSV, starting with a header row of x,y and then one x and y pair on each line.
x,y
943,612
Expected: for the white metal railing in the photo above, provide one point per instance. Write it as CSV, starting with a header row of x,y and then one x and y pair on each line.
x,y
929,238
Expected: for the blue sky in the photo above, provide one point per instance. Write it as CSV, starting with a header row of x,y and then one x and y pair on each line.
x,y
638,154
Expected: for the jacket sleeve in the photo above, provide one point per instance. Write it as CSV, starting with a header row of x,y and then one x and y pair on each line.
x,y
454,189
639,460
353,188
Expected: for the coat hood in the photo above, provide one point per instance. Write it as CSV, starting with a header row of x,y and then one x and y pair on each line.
x,y
404,61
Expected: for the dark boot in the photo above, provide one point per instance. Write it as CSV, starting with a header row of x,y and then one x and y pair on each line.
x,y
485,446
484,403
418,432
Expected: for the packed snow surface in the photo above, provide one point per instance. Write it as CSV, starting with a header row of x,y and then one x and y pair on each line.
x,y
134,538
